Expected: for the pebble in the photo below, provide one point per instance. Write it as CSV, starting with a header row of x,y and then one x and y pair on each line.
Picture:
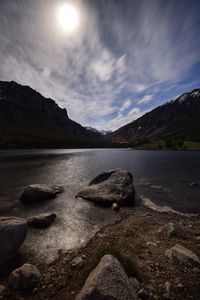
x,y
143,294
151,243
167,286
77,262
196,270
180,286
115,207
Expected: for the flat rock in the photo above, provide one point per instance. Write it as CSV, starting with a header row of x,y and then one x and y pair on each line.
x,y
107,281
183,254
114,186
25,278
41,221
39,192
12,234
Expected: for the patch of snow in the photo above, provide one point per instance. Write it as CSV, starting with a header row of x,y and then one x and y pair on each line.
x,y
195,94
182,98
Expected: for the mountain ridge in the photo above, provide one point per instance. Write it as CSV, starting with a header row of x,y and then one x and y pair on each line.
x,y
29,120
177,119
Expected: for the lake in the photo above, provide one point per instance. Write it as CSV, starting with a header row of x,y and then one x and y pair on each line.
x,y
162,176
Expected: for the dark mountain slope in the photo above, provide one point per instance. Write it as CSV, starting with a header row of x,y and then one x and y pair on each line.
x,y
178,118
28,120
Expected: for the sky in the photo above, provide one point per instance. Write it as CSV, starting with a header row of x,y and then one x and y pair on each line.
x,y
123,59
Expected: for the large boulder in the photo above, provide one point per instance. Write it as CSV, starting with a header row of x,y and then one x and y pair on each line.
x,y
39,192
12,235
41,221
114,186
25,278
107,281
183,254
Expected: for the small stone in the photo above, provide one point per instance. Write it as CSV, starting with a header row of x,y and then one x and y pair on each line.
x,y
151,243
143,294
77,262
196,270
180,286
193,184
167,286
171,230
115,207
165,295
155,297
147,215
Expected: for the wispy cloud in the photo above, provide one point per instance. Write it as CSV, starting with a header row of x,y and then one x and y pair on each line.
x,y
114,68
145,99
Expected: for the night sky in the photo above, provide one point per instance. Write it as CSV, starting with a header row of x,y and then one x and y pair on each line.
x,y
124,58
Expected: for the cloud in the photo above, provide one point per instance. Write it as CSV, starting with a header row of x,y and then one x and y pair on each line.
x,y
139,87
146,99
121,120
127,103
130,50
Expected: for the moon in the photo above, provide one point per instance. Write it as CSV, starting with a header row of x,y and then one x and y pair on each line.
x,y
68,17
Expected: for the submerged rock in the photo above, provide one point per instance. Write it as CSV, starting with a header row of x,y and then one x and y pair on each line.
x,y
41,221
12,235
25,278
183,254
39,192
107,281
114,186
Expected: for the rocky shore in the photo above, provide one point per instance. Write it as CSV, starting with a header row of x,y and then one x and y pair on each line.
x,y
156,252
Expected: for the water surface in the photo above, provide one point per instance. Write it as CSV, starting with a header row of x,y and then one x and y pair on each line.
x,y
162,176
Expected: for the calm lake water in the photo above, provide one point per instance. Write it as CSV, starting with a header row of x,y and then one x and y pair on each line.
x,y
163,177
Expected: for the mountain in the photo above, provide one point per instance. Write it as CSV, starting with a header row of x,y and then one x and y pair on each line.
x,y
177,119
101,132
29,120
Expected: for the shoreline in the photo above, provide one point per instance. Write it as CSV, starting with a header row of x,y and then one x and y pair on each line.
x,y
134,235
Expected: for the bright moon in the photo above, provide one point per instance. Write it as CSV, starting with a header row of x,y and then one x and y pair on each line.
x,y
68,17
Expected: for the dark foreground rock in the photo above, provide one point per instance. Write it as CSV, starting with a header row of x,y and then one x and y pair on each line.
x,y
114,186
12,235
41,221
25,278
39,192
107,281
